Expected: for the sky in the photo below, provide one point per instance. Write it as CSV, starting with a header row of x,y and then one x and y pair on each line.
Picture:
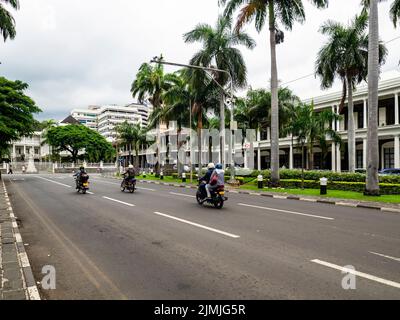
x,y
76,53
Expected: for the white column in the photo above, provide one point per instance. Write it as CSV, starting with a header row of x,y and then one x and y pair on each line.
x,y
338,121
259,159
4,165
338,159
396,109
365,117
365,152
291,157
14,155
397,152
333,122
334,157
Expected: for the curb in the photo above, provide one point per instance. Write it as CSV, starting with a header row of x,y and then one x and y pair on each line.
x,y
29,284
281,197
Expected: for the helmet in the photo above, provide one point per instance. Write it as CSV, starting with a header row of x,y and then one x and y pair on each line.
x,y
211,166
218,166
82,168
130,166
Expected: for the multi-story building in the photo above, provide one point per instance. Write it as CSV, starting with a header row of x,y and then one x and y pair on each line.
x,y
337,158
87,117
21,149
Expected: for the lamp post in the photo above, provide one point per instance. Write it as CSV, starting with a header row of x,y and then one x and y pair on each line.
x,y
230,94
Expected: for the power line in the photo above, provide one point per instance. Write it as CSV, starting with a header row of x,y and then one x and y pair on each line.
x,y
312,74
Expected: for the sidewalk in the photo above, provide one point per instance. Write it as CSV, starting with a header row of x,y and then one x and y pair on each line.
x,y
16,278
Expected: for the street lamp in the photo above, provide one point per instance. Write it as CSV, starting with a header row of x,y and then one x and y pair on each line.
x,y
230,94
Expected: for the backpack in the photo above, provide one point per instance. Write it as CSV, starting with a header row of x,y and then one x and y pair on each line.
x,y
214,180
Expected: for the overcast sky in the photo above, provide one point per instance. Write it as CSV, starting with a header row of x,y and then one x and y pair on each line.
x,y
76,53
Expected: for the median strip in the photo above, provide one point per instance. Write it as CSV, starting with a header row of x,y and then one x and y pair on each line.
x,y
118,201
285,211
198,225
357,273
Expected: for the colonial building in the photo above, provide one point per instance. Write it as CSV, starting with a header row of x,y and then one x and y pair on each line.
x,y
337,158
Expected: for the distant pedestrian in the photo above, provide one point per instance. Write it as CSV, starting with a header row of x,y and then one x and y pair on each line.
x,y
10,171
23,169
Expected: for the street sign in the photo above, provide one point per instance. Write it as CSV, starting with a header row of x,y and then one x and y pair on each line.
x,y
234,125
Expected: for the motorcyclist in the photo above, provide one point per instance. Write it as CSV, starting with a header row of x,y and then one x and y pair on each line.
x,y
128,175
78,175
206,179
220,175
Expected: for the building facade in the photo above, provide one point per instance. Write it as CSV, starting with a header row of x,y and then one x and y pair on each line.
x,y
337,158
87,117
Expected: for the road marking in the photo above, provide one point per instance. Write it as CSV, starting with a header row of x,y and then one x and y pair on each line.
x,y
148,189
182,195
285,211
89,192
61,184
385,256
357,273
125,203
118,184
198,225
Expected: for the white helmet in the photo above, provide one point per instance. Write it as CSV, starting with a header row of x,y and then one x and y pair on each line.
x,y
211,166
130,166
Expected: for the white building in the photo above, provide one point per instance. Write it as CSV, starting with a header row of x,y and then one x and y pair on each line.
x,y
87,117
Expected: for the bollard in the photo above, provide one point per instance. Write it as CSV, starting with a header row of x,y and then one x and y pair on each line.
x,y
144,174
162,175
260,180
184,177
324,186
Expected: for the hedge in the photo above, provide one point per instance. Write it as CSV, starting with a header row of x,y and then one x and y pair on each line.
x,y
385,188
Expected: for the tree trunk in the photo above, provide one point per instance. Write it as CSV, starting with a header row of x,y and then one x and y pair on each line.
x,y
302,166
222,130
311,157
274,102
350,128
372,183
199,128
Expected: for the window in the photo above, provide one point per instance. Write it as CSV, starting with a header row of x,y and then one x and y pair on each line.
x,y
388,154
360,159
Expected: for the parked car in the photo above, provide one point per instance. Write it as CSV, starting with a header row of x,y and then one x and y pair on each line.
x,y
389,172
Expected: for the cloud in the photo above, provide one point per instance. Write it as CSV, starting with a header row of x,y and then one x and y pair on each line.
x,y
75,53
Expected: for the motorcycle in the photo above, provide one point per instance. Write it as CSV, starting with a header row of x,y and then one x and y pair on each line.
x,y
217,197
83,183
129,185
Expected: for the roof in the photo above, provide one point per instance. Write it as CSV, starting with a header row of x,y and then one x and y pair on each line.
x,y
70,120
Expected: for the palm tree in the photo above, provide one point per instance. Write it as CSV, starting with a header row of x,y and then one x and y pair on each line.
x,y
132,136
150,83
219,49
7,22
312,127
287,12
345,56
395,12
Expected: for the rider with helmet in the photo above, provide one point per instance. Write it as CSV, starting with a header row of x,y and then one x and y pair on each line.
x,y
78,175
128,175
206,179
219,175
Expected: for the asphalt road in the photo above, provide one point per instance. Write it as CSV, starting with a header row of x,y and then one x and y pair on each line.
x,y
160,244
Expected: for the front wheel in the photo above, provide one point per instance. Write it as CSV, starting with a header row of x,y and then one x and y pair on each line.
x,y
84,191
122,189
199,198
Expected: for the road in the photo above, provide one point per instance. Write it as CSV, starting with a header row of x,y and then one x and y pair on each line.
x,y
160,244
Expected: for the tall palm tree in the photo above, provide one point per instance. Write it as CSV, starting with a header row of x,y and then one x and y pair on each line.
x,y
395,12
150,83
132,136
7,22
220,50
345,56
286,12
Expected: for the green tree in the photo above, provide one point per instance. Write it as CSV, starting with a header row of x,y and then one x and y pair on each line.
x,y
132,136
311,128
219,49
150,84
78,138
345,56
16,112
274,11
7,22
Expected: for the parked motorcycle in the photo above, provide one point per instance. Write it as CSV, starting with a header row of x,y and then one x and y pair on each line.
x,y
129,185
83,183
217,197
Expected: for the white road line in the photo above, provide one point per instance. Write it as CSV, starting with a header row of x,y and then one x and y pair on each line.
x,y
198,225
61,184
285,211
357,273
89,192
182,195
385,256
125,203
148,189
118,184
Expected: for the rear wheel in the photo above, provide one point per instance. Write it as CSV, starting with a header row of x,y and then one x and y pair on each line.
x,y
122,189
219,203
84,191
